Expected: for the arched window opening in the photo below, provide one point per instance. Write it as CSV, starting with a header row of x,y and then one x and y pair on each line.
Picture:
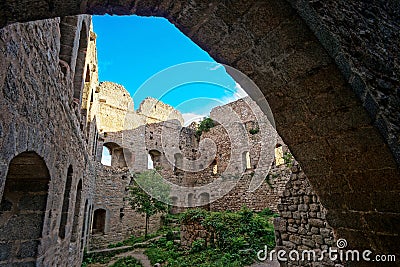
x,y
121,213
87,77
279,160
174,205
85,223
80,63
154,159
178,163
214,167
246,160
99,221
23,208
77,210
113,155
106,156
66,200
150,162
204,200
190,200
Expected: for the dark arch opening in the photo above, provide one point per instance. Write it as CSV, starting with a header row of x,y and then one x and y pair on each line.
x,y
99,221
22,209
154,159
115,153
204,201
85,223
80,63
77,210
66,200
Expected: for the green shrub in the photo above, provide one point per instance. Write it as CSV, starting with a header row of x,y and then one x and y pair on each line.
x,y
198,245
238,237
254,131
204,126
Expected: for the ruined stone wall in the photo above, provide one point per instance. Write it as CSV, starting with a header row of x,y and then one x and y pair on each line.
x,y
121,221
114,103
162,141
276,45
90,96
191,231
302,224
38,114
156,111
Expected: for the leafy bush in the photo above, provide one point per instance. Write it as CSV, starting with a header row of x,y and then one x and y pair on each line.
x,y
204,126
238,237
288,158
198,245
254,131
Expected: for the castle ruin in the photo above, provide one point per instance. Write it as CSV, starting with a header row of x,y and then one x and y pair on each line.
x,y
332,90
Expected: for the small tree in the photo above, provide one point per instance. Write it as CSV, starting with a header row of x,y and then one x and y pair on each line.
x,y
149,195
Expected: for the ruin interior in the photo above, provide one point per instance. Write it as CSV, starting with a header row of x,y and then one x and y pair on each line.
x,y
329,71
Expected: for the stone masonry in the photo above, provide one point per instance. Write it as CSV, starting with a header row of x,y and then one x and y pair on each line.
x,y
328,70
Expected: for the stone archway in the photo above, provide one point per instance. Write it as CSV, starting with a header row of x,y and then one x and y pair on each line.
x,y
22,209
325,110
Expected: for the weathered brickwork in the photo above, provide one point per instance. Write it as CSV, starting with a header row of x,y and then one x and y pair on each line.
x,y
120,221
328,70
135,147
44,161
302,225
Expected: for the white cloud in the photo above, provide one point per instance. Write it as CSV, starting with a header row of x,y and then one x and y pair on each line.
x,y
238,94
191,117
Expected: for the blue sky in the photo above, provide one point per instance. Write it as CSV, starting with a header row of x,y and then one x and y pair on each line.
x,y
139,52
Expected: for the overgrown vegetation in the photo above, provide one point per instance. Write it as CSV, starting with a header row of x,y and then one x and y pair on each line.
x,y
235,238
204,126
254,131
288,158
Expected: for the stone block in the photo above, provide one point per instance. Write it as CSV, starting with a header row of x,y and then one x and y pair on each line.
x,y
303,207
308,242
295,239
316,222
5,251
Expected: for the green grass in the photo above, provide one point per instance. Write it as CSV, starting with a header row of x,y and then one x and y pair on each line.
x,y
127,262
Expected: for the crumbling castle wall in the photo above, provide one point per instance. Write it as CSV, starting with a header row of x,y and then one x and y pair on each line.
x,y
41,135
120,220
302,224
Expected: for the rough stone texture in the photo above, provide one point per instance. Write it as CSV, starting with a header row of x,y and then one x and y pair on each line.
x,y
315,88
302,225
114,103
38,114
156,111
120,221
191,231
